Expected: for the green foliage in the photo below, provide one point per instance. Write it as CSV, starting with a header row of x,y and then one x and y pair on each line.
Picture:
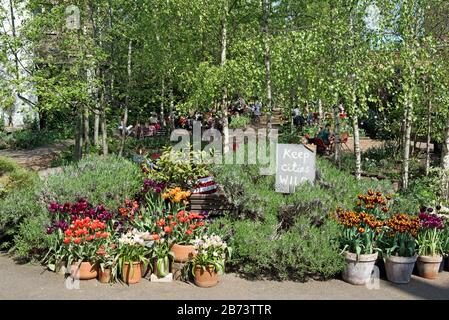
x,y
32,138
31,239
12,176
239,122
300,253
286,236
23,212
101,180
176,168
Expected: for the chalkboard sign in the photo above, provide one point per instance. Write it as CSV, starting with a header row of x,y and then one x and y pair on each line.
x,y
295,165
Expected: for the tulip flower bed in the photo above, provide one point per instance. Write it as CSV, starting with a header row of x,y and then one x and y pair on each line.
x,y
141,233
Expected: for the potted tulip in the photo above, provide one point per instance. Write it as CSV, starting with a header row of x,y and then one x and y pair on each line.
x,y
430,241
184,227
398,244
209,260
133,250
107,259
358,238
81,243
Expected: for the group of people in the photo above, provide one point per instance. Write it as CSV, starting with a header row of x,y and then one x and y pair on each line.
x,y
253,109
139,131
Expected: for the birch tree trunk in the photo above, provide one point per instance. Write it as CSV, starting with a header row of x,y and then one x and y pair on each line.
x,y
162,114
357,149
445,163
224,97
429,131
86,128
78,152
337,137
407,137
97,124
125,112
320,111
172,105
266,34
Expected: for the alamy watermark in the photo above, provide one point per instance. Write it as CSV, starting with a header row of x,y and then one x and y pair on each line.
x,y
249,146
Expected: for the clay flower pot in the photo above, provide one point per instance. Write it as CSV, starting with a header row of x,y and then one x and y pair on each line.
x,y
205,278
399,269
105,276
133,274
84,271
359,268
182,253
428,266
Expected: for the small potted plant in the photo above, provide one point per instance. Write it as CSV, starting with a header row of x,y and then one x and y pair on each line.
x,y
398,244
359,232
162,256
430,241
107,259
81,243
184,227
208,261
133,250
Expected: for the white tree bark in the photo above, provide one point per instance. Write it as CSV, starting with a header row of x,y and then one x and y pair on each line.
x,y
224,99
407,139
125,111
357,149
266,34
429,126
445,163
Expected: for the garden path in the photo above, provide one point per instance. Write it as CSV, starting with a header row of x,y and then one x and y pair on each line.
x,y
33,282
39,158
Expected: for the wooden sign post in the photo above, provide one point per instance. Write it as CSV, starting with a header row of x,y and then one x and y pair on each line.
x,y
295,165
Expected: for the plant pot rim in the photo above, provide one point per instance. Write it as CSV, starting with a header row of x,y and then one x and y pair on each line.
x,y
198,266
183,245
435,259
362,257
400,259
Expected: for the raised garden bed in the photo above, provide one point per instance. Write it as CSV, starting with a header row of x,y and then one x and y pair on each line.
x,y
209,202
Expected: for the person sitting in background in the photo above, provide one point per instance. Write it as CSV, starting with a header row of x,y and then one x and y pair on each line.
x,y
146,130
326,135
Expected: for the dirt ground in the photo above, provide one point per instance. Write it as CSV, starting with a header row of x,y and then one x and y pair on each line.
x,y
39,158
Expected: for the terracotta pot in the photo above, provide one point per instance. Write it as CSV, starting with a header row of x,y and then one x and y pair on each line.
x,y
428,266
131,275
399,269
84,271
104,276
205,278
359,268
182,253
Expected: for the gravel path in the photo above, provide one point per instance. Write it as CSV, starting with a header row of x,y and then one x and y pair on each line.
x,y
34,282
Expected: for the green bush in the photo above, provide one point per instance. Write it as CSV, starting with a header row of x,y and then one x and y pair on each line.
x,y
101,180
32,138
300,253
239,122
23,212
13,176
286,236
18,206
